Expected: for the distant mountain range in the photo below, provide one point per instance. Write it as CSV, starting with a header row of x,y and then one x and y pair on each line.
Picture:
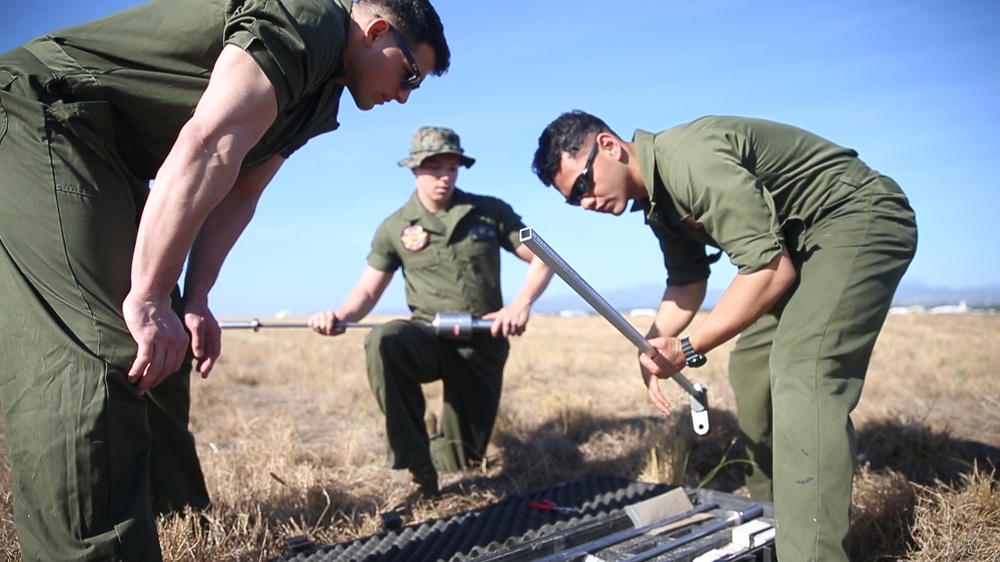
x,y
648,296
917,293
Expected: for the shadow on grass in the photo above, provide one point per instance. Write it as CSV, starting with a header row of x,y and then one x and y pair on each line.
x,y
896,457
922,454
576,444
900,459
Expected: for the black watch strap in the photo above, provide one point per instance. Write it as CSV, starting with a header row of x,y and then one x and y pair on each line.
x,y
692,357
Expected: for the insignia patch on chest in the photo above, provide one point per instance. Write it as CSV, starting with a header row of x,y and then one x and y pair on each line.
x,y
483,231
414,238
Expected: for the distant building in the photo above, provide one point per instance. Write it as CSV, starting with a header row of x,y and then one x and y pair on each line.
x,y
904,310
960,308
640,312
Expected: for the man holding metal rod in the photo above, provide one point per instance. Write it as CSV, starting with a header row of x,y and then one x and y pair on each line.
x,y
821,242
447,243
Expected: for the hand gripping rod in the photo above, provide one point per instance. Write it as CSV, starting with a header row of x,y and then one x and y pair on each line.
x,y
699,401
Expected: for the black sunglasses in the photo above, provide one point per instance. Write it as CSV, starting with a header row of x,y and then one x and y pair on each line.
x,y
414,78
584,182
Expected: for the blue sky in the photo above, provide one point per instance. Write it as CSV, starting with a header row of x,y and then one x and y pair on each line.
x,y
913,85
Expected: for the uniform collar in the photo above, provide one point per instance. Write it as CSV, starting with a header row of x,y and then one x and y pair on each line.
x,y
643,141
414,212
348,6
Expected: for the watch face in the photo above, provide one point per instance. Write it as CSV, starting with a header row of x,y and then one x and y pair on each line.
x,y
697,361
692,357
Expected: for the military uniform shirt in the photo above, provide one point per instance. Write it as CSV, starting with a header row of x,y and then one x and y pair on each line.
x,y
746,186
453,263
134,60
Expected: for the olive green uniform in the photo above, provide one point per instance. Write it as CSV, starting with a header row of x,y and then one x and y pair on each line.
x,y
87,115
452,264
751,188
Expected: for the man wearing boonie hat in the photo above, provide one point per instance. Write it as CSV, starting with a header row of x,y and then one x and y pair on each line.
x,y
447,242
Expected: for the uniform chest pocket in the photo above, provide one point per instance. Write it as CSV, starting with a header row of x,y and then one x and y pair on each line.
x,y
481,240
422,259
483,232
482,250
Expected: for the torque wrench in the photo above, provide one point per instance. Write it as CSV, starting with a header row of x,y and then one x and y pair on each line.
x,y
699,400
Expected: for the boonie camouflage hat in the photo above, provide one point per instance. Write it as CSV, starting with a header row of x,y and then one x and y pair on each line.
x,y
431,141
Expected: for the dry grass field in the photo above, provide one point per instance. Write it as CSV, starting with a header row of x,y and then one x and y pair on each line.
x,y
291,440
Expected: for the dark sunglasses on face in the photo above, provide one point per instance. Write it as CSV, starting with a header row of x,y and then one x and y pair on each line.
x,y
414,78
584,182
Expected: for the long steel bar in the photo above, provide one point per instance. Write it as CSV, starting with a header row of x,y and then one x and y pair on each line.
x,y
622,536
736,518
541,249
256,324
452,325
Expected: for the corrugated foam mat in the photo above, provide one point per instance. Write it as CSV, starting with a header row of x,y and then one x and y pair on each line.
x,y
594,501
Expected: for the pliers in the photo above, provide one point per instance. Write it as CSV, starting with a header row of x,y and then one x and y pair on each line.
x,y
549,505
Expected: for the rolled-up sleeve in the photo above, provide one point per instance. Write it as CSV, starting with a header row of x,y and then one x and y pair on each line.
x,y
297,43
726,199
383,255
510,226
685,260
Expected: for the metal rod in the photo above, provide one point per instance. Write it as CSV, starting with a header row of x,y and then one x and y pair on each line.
x,y
541,249
450,325
622,536
256,324
737,517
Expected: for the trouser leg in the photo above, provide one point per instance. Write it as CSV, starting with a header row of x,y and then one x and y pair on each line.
x,y
76,429
473,379
400,356
176,479
820,354
750,377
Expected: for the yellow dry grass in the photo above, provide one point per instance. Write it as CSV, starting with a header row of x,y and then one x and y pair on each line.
x,y
291,439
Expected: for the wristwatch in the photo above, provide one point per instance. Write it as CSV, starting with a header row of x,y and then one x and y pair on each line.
x,y
692,357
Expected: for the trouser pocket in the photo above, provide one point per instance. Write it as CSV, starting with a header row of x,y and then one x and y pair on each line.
x,y
85,160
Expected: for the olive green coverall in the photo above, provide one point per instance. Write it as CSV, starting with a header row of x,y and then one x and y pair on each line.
x,y
750,188
454,265
87,115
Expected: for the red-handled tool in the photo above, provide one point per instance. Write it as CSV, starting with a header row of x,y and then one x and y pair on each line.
x,y
549,505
